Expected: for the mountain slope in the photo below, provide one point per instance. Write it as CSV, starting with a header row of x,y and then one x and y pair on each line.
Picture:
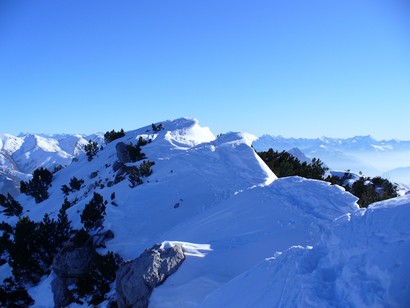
x,y
247,228
20,156
216,198
359,262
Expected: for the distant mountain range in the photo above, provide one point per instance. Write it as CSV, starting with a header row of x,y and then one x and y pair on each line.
x,y
20,156
388,158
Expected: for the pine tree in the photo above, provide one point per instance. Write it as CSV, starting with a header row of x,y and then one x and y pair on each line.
x,y
93,213
75,183
47,241
91,149
63,228
38,185
12,207
25,255
112,135
65,189
135,152
14,295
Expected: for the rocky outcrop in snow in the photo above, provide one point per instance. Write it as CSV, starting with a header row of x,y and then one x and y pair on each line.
x,y
123,153
70,264
136,279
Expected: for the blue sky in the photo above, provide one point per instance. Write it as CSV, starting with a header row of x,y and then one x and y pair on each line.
x,y
295,68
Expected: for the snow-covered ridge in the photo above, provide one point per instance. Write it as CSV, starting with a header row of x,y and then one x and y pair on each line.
x,y
242,230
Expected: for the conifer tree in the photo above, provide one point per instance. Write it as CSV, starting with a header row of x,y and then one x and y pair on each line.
x,y
11,206
63,228
93,213
38,185
13,294
25,253
91,149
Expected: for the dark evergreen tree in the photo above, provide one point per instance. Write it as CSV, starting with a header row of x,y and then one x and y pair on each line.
x,y
48,243
134,177
23,187
5,241
11,206
14,295
145,168
65,189
66,204
137,173
368,190
141,142
95,284
91,149
25,252
112,135
157,128
284,164
57,168
135,153
75,183
93,213
63,228
38,185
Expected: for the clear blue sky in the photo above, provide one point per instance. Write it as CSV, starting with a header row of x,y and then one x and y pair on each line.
x,y
295,68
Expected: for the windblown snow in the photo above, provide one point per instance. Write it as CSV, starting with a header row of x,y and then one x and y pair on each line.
x,y
251,240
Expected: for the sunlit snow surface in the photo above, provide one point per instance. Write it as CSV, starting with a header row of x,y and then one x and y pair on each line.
x,y
250,239
361,261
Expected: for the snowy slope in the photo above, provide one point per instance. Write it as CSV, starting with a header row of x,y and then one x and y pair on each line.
x,y
360,262
400,175
217,198
300,155
191,169
246,229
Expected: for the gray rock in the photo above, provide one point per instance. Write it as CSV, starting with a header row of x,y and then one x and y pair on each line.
x,y
136,279
99,239
68,265
93,174
123,152
61,294
73,263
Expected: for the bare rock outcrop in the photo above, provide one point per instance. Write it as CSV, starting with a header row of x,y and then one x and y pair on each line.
x,y
136,279
123,153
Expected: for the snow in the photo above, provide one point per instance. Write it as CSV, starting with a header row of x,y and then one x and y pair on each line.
x,y
190,249
42,293
20,156
361,261
248,237
247,228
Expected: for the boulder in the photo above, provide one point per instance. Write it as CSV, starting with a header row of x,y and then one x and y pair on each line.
x,y
123,152
136,279
69,265
73,263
